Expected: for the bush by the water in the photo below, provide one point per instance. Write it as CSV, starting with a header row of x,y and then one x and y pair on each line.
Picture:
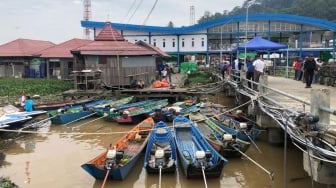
x,y
200,77
5,182
31,86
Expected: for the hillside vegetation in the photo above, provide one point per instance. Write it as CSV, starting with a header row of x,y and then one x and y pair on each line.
x,y
323,9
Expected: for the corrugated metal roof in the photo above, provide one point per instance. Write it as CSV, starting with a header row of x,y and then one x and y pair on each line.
x,y
63,50
23,47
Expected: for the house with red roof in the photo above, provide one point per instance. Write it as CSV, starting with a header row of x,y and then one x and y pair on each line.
x,y
118,61
59,59
19,58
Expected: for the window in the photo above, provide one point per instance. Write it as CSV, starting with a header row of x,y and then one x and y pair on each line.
x,y
173,43
164,43
202,43
192,42
154,42
182,42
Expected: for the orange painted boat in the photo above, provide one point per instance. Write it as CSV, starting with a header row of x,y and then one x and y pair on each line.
x,y
119,159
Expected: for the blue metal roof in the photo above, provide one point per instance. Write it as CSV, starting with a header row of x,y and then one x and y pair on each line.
x,y
225,20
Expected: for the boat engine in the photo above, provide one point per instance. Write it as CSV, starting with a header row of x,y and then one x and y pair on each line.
x,y
242,125
125,114
113,110
159,158
113,158
203,158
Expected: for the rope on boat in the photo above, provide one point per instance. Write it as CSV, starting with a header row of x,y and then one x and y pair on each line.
x,y
204,178
77,127
271,174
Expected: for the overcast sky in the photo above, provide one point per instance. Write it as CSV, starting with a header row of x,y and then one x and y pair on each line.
x,y
59,20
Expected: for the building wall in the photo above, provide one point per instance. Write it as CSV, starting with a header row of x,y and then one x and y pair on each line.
x,y
129,68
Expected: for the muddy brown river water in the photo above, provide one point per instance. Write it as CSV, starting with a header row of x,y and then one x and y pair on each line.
x,y
52,158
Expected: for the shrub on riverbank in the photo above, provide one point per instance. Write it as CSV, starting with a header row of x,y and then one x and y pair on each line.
x,y
5,182
31,86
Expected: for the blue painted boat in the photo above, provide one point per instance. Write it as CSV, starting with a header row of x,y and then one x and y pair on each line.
x,y
160,152
11,118
226,144
69,114
243,130
117,162
198,158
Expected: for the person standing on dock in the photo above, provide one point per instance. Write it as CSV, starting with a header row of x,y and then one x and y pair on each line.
x,y
160,69
259,67
309,69
297,68
249,71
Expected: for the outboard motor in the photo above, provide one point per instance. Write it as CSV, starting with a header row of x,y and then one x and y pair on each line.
x,y
202,158
159,158
61,110
125,114
242,126
113,110
113,158
227,139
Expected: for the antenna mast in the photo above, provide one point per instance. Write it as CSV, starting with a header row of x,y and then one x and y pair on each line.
x,y
192,15
87,17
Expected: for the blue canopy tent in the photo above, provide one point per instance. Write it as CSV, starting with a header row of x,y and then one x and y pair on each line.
x,y
259,44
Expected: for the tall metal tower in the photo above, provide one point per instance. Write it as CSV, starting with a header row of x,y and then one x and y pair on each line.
x,y
192,15
87,17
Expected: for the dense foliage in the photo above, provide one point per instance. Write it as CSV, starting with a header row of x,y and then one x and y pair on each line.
x,y
199,77
42,87
5,182
323,9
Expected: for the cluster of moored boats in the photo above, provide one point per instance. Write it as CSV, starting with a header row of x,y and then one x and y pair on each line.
x,y
200,136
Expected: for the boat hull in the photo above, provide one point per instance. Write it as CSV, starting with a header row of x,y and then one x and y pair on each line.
x,y
127,151
189,142
161,139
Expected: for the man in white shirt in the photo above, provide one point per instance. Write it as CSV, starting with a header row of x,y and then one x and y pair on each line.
x,y
259,67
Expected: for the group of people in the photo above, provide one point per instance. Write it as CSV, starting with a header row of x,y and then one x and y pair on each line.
x,y
254,69
307,70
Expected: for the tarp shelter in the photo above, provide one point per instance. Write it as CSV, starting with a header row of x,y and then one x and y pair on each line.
x,y
188,66
260,44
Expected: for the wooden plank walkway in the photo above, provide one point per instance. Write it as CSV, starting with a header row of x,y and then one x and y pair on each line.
x,y
297,88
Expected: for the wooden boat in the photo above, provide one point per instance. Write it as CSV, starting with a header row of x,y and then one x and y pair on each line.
x,y
110,112
245,131
74,113
11,117
197,157
134,115
69,114
119,159
167,114
103,109
227,144
160,153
